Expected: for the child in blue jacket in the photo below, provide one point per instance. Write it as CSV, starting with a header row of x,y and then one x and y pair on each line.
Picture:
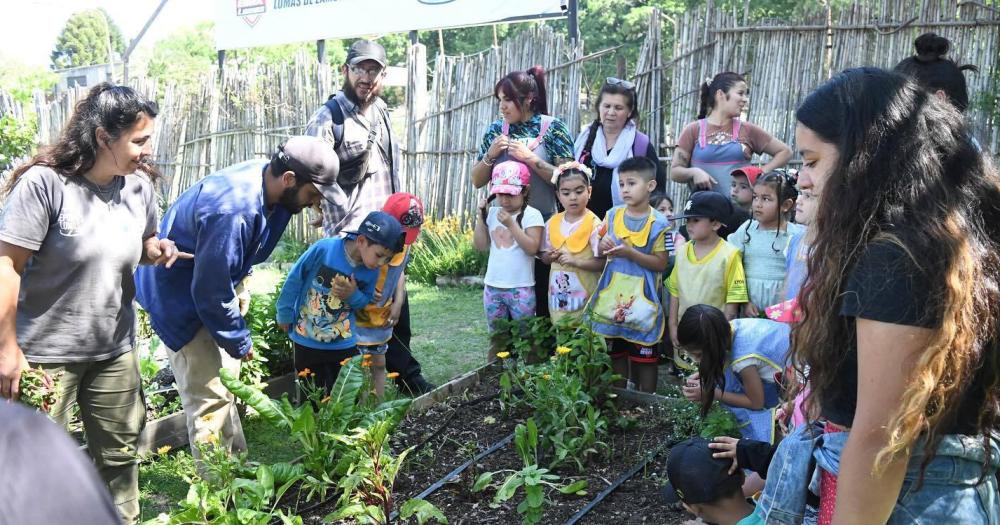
x,y
332,280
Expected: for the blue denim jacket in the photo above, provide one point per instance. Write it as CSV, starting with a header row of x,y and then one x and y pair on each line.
x,y
954,489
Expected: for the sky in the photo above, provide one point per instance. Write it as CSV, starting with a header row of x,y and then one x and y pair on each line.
x,y
32,26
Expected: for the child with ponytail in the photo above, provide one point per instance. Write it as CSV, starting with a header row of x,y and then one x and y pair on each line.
x,y
710,148
511,233
763,240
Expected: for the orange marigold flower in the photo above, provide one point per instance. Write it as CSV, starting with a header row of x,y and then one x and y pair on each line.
x,y
305,372
345,361
392,375
366,363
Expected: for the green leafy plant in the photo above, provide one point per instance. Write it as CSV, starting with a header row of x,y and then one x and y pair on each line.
x,y
232,491
17,140
322,417
570,394
685,419
534,480
367,485
272,349
38,389
445,249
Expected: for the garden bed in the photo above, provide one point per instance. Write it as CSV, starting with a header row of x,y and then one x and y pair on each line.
x,y
458,422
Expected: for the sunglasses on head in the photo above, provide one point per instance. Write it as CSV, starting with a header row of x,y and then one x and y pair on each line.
x,y
612,81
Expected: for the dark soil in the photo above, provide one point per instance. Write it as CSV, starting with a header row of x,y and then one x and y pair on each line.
x,y
469,428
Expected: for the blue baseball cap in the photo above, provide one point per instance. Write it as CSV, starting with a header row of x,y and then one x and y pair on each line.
x,y
381,228
694,476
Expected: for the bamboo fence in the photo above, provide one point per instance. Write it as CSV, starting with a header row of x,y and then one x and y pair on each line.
x,y
785,60
243,112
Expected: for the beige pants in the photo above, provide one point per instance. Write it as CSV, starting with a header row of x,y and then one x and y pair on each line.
x,y
113,412
209,407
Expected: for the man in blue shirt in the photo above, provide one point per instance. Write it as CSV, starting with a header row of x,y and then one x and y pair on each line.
x,y
230,220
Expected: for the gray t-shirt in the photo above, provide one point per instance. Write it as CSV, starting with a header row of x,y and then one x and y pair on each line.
x,y
77,289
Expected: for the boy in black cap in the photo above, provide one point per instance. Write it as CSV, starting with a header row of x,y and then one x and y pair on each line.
x,y
708,487
332,280
709,270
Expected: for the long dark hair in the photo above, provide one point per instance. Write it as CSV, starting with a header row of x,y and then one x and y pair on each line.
x,y
519,86
931,69
608,89
706,328
906,173
114,108
724,82
784,189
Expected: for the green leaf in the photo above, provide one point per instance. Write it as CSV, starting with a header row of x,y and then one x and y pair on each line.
x,y
306,422
351,511
534,495
482,481
256,399
266,479
574,488
509,487
422,510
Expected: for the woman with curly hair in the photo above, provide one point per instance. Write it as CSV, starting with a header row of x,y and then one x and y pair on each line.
x,y
900,335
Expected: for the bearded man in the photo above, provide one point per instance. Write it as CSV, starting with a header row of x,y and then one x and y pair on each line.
x,y
355,123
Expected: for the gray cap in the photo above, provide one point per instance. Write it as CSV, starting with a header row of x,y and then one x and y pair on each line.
x,y
365,50
313,159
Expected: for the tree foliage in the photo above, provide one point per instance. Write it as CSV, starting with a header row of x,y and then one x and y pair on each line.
x,y
89,37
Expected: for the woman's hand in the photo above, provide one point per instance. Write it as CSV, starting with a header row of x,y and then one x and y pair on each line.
x,y
701,180
519,151
497,148
12,363
750,310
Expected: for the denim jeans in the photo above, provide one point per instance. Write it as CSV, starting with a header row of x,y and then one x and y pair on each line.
x,y
954,489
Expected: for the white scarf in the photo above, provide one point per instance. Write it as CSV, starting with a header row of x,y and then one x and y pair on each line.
x,y
599,152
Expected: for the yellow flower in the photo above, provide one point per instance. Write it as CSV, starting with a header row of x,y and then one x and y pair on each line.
x,y
367,357
546,376
503,355
392,375
366,364
345,361
563,350
211,439
163,450
207,418
305,372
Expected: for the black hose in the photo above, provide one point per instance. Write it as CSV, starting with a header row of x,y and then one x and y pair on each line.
x,y
440,483
618,482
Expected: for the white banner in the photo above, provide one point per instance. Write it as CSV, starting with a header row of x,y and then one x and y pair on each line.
x,y
248,23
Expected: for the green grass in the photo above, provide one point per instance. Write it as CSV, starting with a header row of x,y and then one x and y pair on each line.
x,y
449,330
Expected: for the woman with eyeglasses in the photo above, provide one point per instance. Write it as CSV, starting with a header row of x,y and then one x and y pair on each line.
x,y
528,134
710,148
613,137
78,217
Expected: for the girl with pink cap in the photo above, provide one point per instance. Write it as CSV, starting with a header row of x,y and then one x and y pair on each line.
x,y
511,233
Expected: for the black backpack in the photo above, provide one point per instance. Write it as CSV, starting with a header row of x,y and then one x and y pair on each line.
x,y
353,171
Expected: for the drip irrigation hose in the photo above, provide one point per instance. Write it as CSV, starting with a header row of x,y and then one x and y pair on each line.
x,y
464,404
458,470
618,482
